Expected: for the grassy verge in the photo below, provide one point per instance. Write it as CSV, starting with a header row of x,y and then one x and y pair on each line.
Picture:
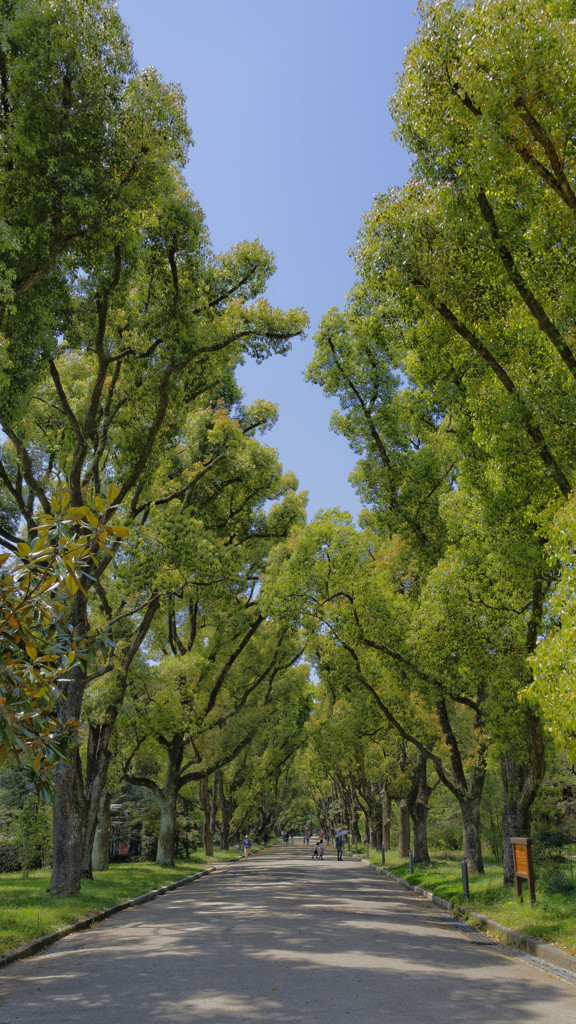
x,y
28,910
552,919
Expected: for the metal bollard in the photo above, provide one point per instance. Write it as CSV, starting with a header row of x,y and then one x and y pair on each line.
x,y
465,886
410,862
383,855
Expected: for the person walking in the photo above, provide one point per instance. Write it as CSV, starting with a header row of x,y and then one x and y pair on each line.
x,y
246,844
321,849
315,852
339,843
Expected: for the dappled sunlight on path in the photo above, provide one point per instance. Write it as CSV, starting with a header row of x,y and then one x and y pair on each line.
x,y
281,938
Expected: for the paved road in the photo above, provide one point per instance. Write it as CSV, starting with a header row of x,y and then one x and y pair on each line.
x,y
280,938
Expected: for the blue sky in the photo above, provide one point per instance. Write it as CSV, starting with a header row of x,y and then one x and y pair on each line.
x,y
288,104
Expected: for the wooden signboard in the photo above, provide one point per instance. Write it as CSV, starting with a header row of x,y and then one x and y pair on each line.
x,y
523,866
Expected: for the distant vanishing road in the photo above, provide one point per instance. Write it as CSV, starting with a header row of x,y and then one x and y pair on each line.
x,y
280,938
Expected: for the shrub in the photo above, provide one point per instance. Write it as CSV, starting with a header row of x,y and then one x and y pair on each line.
x,y
33,835
9,854
555,869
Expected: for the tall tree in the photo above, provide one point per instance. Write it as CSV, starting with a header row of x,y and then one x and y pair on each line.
x,y
465,289
132,320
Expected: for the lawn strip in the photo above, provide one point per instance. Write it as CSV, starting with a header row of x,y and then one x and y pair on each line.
x,y
552,920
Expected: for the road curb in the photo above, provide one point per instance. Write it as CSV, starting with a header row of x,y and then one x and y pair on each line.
x,y
44,941
542,950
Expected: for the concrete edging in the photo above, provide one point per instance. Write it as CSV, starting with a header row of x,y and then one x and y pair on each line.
x,y
542,950
86,922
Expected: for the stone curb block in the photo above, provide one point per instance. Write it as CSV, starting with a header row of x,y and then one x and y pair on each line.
x,y
542,950
86,922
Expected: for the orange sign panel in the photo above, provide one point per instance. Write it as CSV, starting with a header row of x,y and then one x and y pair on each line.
x,y
521,860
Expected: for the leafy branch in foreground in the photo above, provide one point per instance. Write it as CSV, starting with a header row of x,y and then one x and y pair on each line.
x,y
38,645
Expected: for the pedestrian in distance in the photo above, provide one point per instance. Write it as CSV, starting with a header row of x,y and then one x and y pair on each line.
x,y
246,844
339,847
321,850
315,852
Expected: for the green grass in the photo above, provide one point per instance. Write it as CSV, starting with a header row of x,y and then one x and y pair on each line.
x,y
28,910
552,919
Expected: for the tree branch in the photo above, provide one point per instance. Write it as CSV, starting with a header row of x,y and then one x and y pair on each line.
x,y
544,322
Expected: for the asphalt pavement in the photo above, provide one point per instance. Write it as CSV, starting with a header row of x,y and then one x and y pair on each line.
x,y
281,938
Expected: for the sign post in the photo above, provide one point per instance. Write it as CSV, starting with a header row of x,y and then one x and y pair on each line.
x,y
523,867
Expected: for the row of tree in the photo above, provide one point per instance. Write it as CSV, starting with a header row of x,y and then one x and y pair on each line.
x,y
448,616
163,581
133,486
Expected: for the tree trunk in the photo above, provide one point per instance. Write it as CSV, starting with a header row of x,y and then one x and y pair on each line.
x,y
169,802
208,827
227,808
68,827
521,783
420,831
75,813
266,821
386,819
167,834
374,817
69,803
470,810
214,804
467,790
98,758
403,828
522,778
101,846
418,803
353,819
